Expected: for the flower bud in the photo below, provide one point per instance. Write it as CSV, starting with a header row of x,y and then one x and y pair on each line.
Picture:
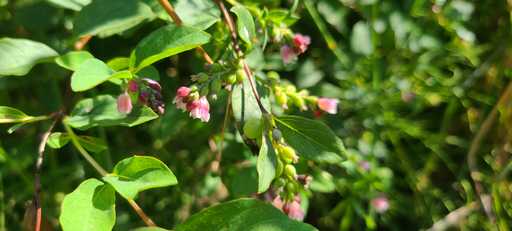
x,y
230,79
287,154
240,75
279,170
298,101
301,43
153,84
290,171
380,204
133,86
276,134
281,98
124,103
328,105
288,54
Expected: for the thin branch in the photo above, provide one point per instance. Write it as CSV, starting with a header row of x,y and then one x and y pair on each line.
x,y
475,146
456,216
239,53
37,174
103,172
80,44
177,20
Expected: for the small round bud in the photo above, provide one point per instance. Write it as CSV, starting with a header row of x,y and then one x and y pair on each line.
x,y
279,169
281,98
276,134
280,182
273,76
290,171
287,154
298,101
291,187
231,79
240,75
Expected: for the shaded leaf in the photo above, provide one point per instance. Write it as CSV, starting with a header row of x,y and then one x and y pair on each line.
x,y
58,140
150,229
102,111
13,115
311,139
200,14
244,104
75,5
90,207
138,173
20,55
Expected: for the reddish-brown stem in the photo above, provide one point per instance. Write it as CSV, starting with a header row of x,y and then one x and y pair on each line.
x,y
177,20
239,53
80,44
37,173
141,213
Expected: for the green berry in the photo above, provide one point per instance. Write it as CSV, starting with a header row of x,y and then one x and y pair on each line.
x,y
290,171
287,154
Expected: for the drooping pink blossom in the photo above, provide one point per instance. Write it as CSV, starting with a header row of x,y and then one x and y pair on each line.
x,y
181,95
293,209
124,103
288,54
133,86
301,42
278,203
328,105
380,204
199,109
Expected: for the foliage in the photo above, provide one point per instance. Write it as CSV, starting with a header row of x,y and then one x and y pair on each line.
x,y
311,115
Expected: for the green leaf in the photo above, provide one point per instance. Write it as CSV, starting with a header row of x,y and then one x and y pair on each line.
x,y
244,23
90,207
244,104
75,5
73,59
20,55
119,63
89,74
311,139
13,115
138,173
108,17
361,40
166,41
266,165
150,229
149,72
200,14
102,111
58,140
242,214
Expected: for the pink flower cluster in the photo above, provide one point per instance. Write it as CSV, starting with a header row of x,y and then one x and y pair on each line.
x,y
290,208
149,93
299,46
198,108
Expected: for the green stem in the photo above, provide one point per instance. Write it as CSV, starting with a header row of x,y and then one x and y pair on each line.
x,y
331,43
82,151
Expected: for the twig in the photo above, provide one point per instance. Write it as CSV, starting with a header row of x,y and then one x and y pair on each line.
x,y
37,174
74,140
457,215
80,44
239,53
475,146
177,20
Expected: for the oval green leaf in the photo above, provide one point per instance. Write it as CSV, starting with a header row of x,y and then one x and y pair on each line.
x,y
242,215
102,111
58,140
89,74
164,42
90,207
20,55
73,59
138,173
108,17
244,23
266,165
312,139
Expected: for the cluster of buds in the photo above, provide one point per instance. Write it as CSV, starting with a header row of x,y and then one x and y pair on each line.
x,y
288,182
287,96
188,99
146,91
299,45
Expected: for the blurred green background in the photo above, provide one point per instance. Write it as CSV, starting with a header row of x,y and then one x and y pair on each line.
x,y
415,79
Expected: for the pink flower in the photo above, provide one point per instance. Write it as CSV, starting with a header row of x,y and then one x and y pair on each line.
x,y
179,100
288,54
380,204
133,86
199,109
278,202
365,165
293,209
301,42
124,103
328,105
